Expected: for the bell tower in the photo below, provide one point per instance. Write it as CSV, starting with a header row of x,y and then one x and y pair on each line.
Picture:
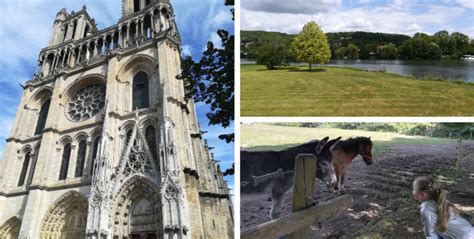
x,y
115,144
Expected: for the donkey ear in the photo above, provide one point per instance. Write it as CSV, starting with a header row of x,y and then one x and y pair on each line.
x,y
332,142
321,145
369,137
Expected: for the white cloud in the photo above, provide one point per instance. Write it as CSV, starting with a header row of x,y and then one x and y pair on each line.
x,y
389,18
186,50
214,38
466,3
5,126
290,6
224,16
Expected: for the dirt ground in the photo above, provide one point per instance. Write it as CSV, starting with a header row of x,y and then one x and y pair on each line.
x,y
383,206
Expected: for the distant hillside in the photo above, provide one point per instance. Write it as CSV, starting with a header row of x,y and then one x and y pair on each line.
x,y
366,41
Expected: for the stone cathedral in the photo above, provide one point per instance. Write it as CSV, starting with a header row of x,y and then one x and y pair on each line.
x,y
104,143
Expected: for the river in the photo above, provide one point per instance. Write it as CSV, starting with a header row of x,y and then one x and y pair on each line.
x,y
446,69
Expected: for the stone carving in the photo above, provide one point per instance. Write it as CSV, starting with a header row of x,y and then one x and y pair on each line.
x,y
10,228
171,192
70,205
86,103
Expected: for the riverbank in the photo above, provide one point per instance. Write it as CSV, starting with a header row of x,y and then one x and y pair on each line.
x,y
341,91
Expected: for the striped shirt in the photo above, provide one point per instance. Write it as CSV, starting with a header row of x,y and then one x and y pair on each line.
x,y
458,227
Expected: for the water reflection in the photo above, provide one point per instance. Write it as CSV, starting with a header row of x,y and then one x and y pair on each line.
x,y
446,69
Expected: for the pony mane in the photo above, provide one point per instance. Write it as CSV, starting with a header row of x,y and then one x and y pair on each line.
x,y
351,144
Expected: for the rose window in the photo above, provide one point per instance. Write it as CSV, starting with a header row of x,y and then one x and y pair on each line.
x,y
86,103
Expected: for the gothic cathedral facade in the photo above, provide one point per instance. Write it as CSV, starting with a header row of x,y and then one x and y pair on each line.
x,y
104,142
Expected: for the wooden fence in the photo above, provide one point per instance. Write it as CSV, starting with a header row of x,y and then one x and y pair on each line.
x,y
297,224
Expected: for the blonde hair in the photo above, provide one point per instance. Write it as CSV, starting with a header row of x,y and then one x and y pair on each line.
x,y
433,188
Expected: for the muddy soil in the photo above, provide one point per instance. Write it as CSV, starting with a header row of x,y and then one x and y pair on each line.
x,y
383,206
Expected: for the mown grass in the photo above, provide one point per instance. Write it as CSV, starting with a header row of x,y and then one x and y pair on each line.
x,y
261,136
336,91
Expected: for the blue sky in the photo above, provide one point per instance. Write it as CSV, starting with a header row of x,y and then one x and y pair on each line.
x,y
25,27
391,16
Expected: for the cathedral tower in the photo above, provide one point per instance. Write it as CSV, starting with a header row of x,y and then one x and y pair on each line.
x,y
104,143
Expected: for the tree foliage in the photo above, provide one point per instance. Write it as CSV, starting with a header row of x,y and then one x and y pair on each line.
x,y
388,51
421,46
350,52
272,55
311,45
211,80
378,45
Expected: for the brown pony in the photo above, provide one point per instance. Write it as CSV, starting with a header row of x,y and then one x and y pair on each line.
x,y
344,151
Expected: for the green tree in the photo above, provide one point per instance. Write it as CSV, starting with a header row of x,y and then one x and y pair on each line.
x,y
442,39
459,44
470,51
434,51
311,45
389,51
405,50
352,52
211,80
340,53
272,55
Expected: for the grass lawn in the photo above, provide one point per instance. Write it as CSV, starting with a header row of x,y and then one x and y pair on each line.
x,y
334,91
262,136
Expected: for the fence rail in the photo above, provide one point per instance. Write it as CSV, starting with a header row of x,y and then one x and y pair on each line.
x,y
297,224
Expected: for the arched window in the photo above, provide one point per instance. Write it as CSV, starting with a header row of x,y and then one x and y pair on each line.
x,y
24,169
65,32
150,136
43,115
140,91
65,161
86,31
81,156
74,30
95,150
136,5
33,165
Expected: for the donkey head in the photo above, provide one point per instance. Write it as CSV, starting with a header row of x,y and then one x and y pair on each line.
x,y
324,167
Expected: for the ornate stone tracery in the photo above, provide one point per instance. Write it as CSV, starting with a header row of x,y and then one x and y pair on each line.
x,y
137,208
86,103
136,188
10,229
66,217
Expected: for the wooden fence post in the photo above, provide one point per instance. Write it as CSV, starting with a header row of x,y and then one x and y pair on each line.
x,y
298,223
303,189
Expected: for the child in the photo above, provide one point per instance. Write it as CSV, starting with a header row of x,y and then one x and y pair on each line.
x,y
439,217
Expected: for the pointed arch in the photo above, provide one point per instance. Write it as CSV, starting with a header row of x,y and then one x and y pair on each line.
x,y
136,5
95,150
150,136
33,164
65,161
137,208
81,157
11,228
141,92
24,168
42,116
66,217
137,158
139,62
